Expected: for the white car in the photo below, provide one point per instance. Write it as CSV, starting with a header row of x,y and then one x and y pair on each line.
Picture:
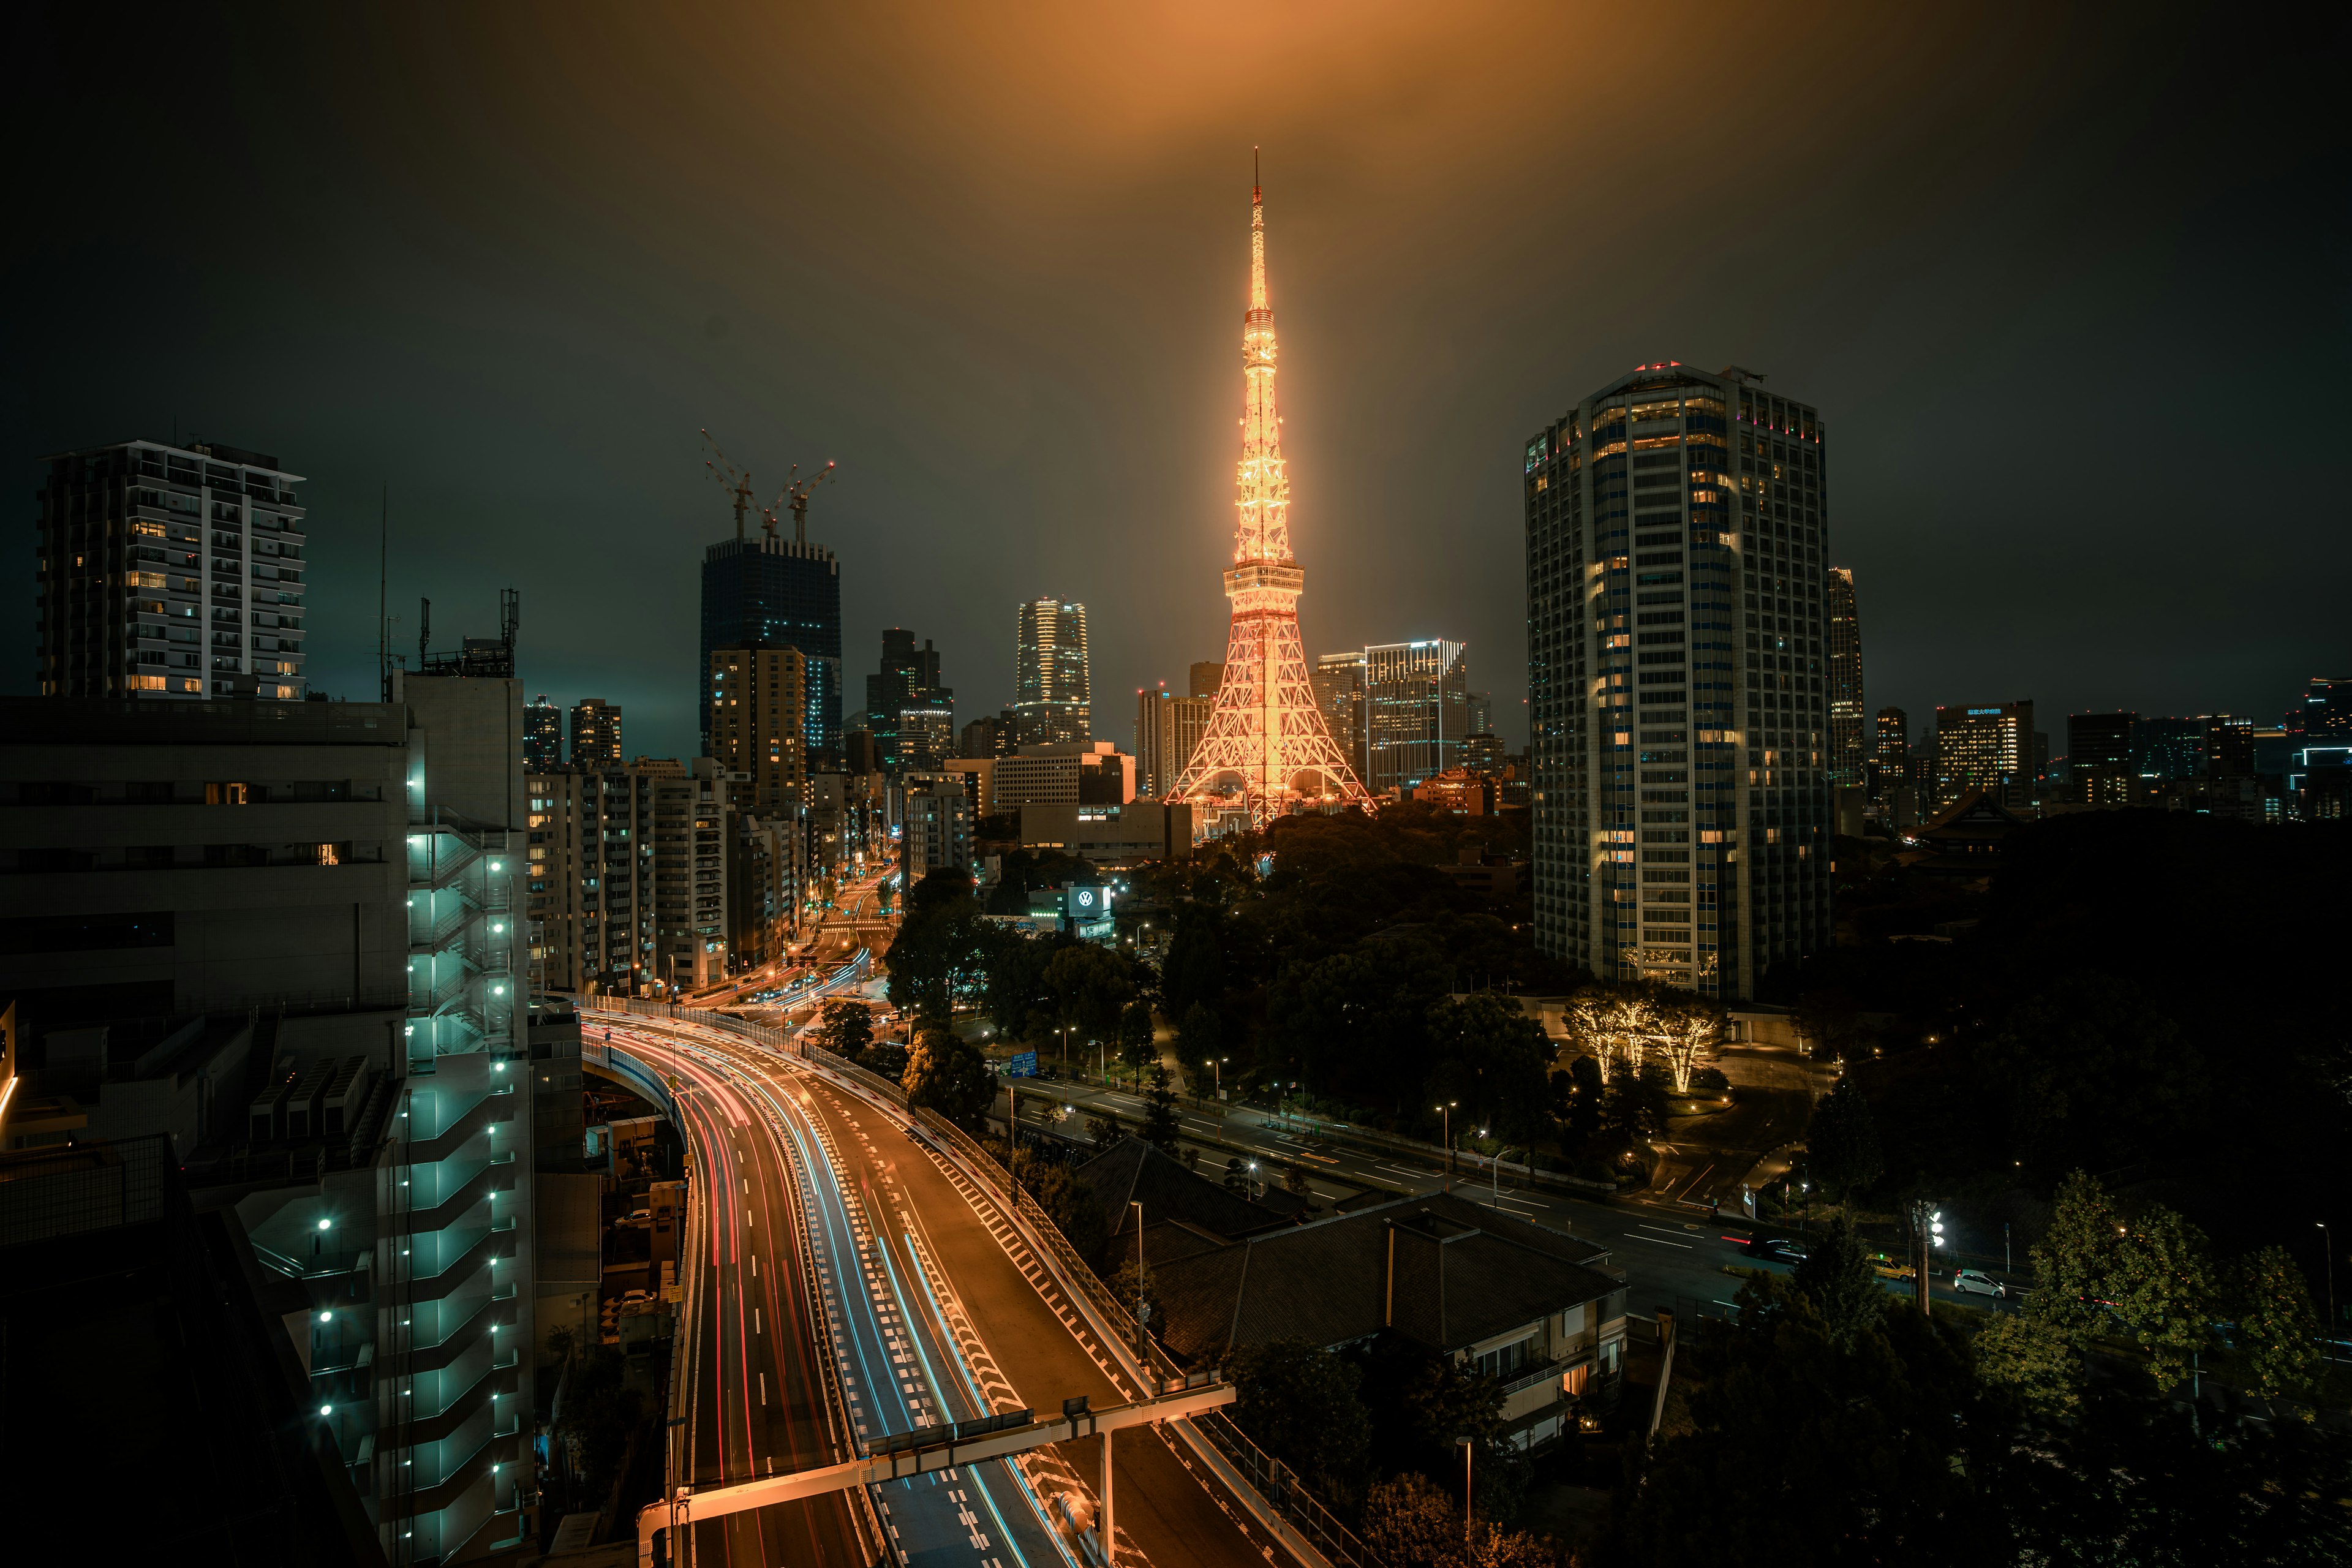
x,y
1976,1282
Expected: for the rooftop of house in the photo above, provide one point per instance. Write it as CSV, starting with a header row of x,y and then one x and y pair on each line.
x,y
1131,1171
1438,1268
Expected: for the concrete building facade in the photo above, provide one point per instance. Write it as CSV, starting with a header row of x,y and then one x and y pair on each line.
x,y
170,572
292,947
1677,523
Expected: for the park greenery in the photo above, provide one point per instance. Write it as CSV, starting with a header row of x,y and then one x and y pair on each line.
x,y
2099,1014
1327,964
1829,1422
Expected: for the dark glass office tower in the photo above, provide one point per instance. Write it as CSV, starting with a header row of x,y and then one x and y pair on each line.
x,y
1677,682
909,712
768,592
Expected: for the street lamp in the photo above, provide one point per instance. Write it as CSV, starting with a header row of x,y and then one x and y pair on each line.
x,y
1446,1111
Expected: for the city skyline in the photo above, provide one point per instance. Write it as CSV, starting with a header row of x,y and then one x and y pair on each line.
x,y
503,393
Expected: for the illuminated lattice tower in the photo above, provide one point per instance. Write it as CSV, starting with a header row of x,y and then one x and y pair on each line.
x,y
1265,753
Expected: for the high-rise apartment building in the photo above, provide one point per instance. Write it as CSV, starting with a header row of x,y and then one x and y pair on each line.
x,y
935,830
770,592
2100,760
1416,712
1676,681
169,572
628,875
595,734
1850,738
1168,731
1991,748
759,708
990,735
542,735
1050,688
1892,738
909,713
315,993
1150,744
1337,681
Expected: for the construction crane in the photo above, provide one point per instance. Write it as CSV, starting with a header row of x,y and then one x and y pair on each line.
x,y
737,482
795,499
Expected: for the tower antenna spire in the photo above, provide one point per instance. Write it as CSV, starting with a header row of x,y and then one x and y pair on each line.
x,y
1267,751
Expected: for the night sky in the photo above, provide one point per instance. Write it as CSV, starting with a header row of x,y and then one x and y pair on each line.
x,y
2068,287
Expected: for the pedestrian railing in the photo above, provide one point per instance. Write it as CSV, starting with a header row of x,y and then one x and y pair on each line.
x,y
1279,1485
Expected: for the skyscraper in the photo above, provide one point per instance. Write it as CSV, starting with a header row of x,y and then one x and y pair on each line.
x,y
1266,751
1892,738
170,572
770,592
542,735
1339,684
1988,748
596,734
1151,731
1416,712
759,706
1849,731
2100,758
909,712
1051,691
1675,523
1207,676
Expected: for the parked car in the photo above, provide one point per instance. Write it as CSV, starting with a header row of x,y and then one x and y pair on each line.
x,y
1976,1282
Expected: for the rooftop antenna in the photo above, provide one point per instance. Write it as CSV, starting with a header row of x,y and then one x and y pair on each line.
x,y
424,630
509,618
382,625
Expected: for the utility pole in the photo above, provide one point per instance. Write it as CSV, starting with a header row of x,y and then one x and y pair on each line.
x,y
383,626
2328,1242
1467,1449
1446,1111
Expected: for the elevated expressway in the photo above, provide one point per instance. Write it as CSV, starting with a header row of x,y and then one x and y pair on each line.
x,y
848,1280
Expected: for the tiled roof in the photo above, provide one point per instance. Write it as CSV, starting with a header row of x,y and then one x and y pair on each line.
x,y
1132,1170
1464,1273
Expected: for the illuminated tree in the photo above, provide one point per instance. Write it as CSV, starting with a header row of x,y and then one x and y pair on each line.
x,y
1687,1037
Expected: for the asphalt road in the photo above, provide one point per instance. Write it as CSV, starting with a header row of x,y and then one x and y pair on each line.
x,y
1672,1255
753,1398
934,1310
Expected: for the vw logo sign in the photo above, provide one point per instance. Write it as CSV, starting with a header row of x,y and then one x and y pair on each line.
x,y
1086,896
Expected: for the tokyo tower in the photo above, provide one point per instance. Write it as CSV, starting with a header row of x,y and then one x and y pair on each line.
x,y
1265,751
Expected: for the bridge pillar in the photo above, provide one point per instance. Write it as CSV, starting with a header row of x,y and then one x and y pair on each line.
x,y
1104,1533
